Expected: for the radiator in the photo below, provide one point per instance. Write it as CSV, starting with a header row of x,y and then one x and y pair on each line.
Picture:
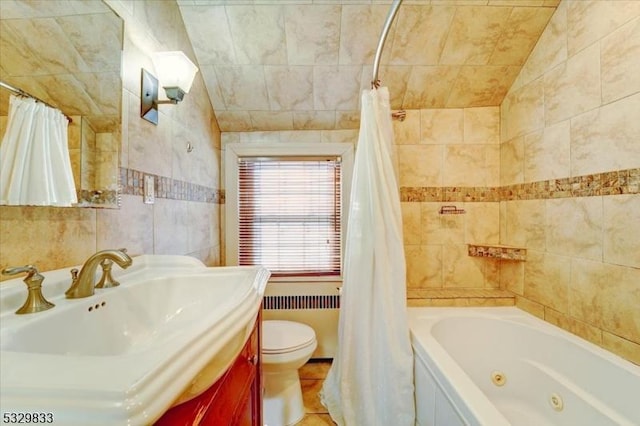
x,y
314,304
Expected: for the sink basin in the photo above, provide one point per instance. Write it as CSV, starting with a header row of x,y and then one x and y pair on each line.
x,y
126,354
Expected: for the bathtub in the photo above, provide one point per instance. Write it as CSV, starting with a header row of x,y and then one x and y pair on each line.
x,y
502,366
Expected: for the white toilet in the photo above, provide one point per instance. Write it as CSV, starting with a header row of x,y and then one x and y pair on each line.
x,y
286,346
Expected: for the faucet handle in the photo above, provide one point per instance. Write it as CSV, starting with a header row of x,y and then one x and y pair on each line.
x,y
35,300
107,280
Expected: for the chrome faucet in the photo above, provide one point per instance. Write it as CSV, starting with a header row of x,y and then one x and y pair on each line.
x,y
35,300
83,283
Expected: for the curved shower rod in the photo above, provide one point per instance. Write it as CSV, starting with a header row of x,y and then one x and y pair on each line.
x,y
375,82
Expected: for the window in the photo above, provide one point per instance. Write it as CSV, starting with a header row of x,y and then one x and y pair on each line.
x,y
289,212
286,207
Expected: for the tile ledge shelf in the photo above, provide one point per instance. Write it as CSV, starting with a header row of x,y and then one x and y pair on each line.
x,y
497,251
459,297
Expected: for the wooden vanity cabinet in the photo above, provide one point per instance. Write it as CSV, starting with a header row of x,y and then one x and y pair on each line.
x,y
234,400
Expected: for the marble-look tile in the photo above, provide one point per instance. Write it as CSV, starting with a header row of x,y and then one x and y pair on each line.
x,y
243,87
263,137
421,34
429,86
621,230
572,325
512,276
530,306
271,120
344,136
289,87
482,125
236,121
420,165
336,87
310,396
481,85
520,35
574,227
474,35
589,21
348,119
170,227
265,43
464,165
492,165
547,153
312,34
411,227
300,136
316,420
315,369
620,61
44,47
623,347
130,227
99,88
524,224
99,48
314,120
23,10
550,50
395,77
547,278
47,237
407,132
360,25
212,87
439,228
203,226
160,20
524,110
461,270
606,296
512,161
424,266
209,34
16,60
441,126
482,223
573,87
149,145
606,139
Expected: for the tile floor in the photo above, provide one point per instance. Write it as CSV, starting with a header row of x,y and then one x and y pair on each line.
x,y
312,375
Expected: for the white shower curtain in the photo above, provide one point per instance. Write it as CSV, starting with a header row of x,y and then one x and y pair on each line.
x,y
371,379
35,168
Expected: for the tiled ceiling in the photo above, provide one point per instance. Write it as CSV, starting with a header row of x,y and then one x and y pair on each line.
x,y
296,64
65,53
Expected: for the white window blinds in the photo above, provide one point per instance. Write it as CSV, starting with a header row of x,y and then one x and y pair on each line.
x,y
289,214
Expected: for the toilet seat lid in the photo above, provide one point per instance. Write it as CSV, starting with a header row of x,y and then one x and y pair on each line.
x,y
285,336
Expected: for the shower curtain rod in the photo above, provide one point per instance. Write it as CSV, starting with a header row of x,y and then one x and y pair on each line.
x,y
375,82
21,92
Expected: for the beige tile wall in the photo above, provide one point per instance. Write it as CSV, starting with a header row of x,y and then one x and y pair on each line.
x,y
434,148
575,110
446,148
53,238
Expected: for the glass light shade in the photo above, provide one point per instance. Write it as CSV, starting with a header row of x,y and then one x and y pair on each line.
x,y
174,69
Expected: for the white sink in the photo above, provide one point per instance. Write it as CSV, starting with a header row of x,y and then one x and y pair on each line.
x,y
126,354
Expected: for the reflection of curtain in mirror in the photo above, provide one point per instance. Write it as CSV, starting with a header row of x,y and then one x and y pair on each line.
x,y
35,168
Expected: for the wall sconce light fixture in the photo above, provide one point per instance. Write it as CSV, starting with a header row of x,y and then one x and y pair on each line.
x,y
176,73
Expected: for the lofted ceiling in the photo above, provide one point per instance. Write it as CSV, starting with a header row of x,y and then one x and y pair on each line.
x,y
302,64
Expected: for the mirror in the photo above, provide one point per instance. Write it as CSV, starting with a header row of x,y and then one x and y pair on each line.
x,y
69,54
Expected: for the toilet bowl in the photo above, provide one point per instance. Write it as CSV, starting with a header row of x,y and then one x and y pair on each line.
x,y
286,346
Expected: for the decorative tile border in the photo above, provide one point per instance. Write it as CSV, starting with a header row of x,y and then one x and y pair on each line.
x,y
598,184
97,198
132,183
497,252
